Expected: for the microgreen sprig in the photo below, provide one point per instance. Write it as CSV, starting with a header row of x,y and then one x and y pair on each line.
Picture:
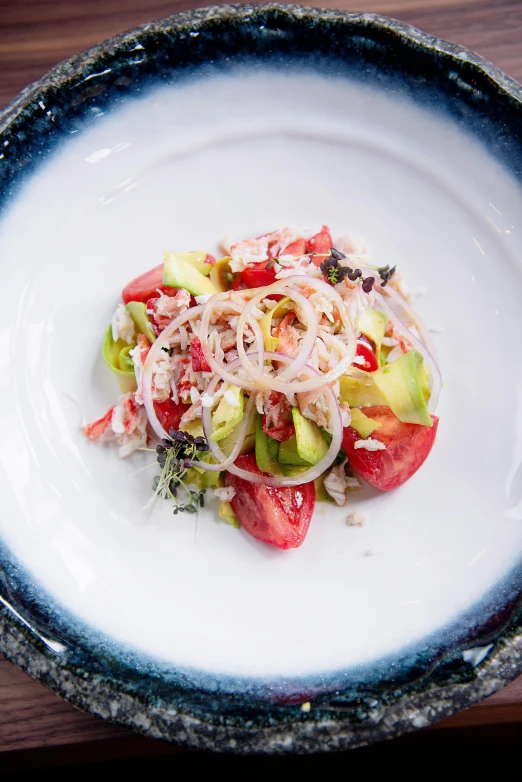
x,y
335,273
175,456
386,274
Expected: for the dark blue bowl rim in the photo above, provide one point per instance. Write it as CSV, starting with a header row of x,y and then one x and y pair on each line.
x,y
426,701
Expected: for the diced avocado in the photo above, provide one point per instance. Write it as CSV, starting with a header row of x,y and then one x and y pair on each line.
x,y
311,445
281,308
320,492
125,360
113,352
266,450
203,479
372,324
288,453
401,385
226,513
359,391
195,428
291,470
362,424
272,447
220,274
227,415
196,259
138,312
249,443
178,273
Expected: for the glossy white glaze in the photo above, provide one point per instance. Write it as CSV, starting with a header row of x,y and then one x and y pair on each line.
x,y
241,155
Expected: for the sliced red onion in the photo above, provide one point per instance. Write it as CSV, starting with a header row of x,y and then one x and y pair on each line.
x,y
150,361
304,477
404,331
416,320
218,368
214,449
306,346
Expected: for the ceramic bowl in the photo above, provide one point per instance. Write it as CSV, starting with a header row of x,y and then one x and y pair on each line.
x,y
237,120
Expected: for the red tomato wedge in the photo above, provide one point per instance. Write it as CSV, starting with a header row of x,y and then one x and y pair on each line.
x,y
407,448
369,356
279,517
169,413
296,248
145,286
257,275
320,244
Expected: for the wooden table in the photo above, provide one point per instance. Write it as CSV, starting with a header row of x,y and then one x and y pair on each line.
x,y
36,727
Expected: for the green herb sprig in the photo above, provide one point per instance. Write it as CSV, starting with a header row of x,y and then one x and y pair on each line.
x,y
175,456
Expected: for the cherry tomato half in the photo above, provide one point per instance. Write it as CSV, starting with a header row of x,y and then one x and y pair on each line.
x,y
169,413
277,516
407,448
369,356
145,286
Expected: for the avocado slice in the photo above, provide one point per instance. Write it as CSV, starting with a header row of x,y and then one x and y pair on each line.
x,y
138,312
282,307
227,415
226,513
358,391
249,443
372,324
291,470
311,445
179,273
288,453
403,385
320,492
220,274
116,356
266,450
363,425
196,259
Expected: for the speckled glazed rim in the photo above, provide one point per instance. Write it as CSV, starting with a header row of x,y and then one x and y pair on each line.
x,y
334,724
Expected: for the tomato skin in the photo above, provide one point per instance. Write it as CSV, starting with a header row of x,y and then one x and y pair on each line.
x,y
407,448
369,356
258,276
145,286
169,413
279,517
199,362
320,243
296,248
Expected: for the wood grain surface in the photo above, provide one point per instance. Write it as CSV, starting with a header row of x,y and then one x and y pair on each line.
x,y
36,34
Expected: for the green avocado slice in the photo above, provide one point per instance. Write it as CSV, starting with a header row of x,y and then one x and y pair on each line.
x,y
180,273
403,384
138,312
226,415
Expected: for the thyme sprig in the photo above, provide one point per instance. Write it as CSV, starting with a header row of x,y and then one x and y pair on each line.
x,y
175,456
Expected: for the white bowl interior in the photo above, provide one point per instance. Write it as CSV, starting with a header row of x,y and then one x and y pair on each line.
x,y
238,155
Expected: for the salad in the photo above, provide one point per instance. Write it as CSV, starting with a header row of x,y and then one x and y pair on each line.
x,y
283,374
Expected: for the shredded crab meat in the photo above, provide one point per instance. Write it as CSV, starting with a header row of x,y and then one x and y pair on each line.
x,y
122,325
338,483
225,493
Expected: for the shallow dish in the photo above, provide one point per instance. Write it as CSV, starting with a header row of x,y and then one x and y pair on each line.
x,y
242,119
